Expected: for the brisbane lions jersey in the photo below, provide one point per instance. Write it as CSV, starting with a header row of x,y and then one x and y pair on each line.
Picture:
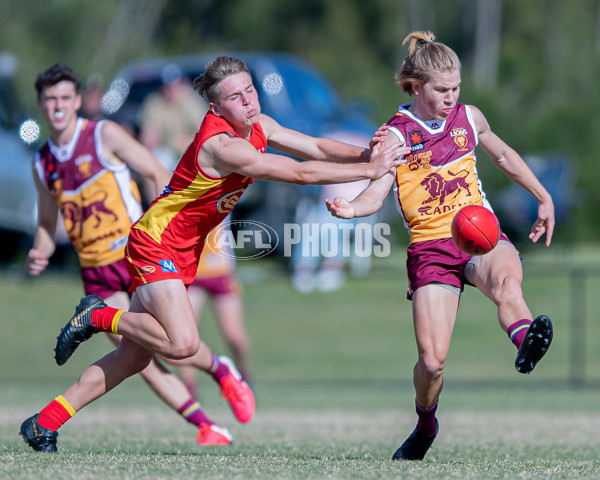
x,y
98,201
218,258
440,175
194,202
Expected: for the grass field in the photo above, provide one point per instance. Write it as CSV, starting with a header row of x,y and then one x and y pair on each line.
x,y
333,382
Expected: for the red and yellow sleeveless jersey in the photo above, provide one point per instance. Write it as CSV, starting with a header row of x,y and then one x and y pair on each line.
x,y
194,202
440,175
98,201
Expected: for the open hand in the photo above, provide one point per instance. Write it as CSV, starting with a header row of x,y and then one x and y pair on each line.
x,y
544,223
384,159
340,207
379,136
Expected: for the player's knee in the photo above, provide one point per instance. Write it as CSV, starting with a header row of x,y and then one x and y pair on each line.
x,y
184,348
509,290
431,366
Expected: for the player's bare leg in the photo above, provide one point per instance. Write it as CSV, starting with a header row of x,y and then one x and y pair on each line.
x,y
189,373
230,315
108,372
235,390
160,319
434,315
175,315
499,275
165,384
99,378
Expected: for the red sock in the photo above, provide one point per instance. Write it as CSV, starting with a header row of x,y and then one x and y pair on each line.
x,y
516,332
192,412
106,319
55,414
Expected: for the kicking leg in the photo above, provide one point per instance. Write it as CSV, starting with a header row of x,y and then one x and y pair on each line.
x,y
499,275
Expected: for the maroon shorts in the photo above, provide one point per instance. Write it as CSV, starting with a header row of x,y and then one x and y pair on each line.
x,y
438,261
221,285
149,262
107,280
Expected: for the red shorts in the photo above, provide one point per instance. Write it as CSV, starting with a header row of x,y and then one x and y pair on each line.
x,y
438,261
104,281
149,262
221,285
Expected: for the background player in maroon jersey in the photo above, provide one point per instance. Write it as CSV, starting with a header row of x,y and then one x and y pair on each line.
x,y
83,170
443,134
165,244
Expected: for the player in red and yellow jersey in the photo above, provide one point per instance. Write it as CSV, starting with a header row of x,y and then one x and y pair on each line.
x,y
216,282
164,246
83,172
437,178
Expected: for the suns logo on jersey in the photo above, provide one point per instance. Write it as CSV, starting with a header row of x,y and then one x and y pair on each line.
x,y
226,203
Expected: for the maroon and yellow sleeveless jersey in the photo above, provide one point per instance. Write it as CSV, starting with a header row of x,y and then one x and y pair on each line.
x,y
440,175
217,258
98,201
180,219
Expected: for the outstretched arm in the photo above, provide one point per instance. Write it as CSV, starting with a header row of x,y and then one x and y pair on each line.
x,y
367,203
371,198
228,154
119,146
312,148
511,163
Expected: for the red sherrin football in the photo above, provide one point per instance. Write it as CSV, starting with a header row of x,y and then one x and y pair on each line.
x,y
475,230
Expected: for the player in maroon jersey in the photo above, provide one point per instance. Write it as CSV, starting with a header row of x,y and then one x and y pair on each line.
x,y
164,246
437,178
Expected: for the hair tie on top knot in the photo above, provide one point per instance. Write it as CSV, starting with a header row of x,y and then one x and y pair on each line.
x,y
429,40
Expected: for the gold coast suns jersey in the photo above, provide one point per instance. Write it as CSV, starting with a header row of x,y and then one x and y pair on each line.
x,y
98,201
195,202
440,175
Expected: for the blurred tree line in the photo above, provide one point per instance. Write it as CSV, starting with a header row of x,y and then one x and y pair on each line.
x,y
532,67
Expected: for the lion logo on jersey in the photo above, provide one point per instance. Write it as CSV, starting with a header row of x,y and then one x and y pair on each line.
x,y
75,214
439,188
84,164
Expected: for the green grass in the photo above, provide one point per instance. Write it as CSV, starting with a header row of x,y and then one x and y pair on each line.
x,y
333,381
118,440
